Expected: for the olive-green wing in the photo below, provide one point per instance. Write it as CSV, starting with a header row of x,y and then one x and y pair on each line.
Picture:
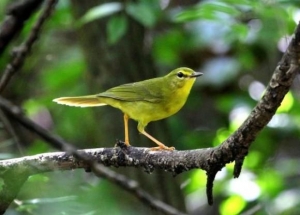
x,y
139,91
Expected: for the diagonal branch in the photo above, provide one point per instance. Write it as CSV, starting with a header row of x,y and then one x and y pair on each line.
x,y
24,49
17,14
236,147
11,131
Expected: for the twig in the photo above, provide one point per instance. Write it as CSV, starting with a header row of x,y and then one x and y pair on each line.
x,y
11,131
86,159
17,14
24,49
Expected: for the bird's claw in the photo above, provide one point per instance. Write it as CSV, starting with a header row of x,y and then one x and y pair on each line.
x,y
159,148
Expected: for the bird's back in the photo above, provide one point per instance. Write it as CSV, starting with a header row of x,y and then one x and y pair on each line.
x,y
147,101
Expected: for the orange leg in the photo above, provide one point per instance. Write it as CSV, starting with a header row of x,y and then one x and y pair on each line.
x,y
126,129
161,146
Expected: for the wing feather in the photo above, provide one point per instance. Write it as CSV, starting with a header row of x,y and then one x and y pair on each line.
x,y
138,91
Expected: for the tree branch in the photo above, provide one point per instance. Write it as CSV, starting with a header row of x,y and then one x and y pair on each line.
x,y
21,52
17,14
48,162
11,131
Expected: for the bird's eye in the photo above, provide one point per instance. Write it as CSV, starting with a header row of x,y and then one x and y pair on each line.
x,y
180,75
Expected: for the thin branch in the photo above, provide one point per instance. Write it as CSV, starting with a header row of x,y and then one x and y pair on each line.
x,y
17,14
11,131
24,49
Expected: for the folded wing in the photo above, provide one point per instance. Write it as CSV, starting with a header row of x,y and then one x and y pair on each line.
x,y
138,91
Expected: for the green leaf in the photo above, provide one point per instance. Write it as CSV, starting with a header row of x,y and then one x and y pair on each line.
x,y
100,11
208,11
223,8
50,200
143,13
116,28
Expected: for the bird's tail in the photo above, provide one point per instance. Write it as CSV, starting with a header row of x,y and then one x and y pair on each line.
x,y
80,101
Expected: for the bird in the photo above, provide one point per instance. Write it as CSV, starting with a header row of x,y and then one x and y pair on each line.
x,y
144,101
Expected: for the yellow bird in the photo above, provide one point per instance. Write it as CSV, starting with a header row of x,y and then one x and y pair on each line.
x,y
144,101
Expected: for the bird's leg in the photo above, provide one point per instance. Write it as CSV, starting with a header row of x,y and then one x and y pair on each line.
x,y
126,129
161,146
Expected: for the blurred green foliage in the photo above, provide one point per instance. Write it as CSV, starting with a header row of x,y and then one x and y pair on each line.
x,y
236,43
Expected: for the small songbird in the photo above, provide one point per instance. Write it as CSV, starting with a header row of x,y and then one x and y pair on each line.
x,y
144,101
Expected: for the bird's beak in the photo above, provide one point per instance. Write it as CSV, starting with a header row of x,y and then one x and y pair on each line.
x,y
196,74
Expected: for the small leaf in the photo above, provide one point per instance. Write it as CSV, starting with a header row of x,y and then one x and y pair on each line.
x,y
142,13
116,28
208,11
50,200
100,11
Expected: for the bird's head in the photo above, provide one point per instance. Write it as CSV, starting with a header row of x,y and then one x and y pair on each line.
x,y
183,78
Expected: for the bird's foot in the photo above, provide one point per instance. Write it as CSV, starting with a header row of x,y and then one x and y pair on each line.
x,y
122,144
159,148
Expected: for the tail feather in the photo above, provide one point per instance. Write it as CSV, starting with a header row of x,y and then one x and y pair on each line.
x,y
80,101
